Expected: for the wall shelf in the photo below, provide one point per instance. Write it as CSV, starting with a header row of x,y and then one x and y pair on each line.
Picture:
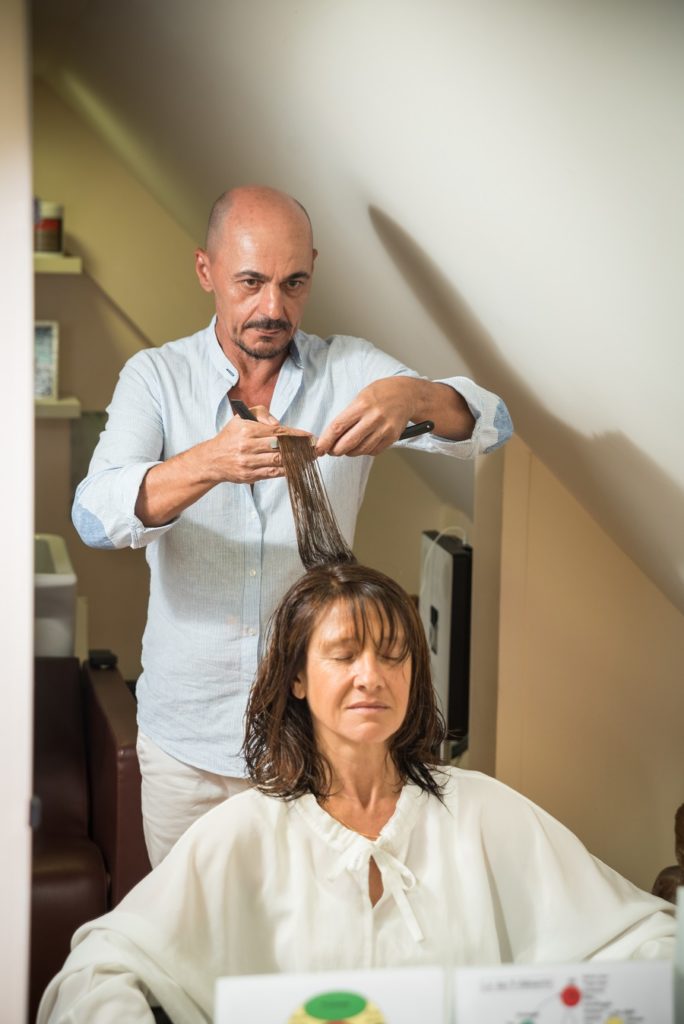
x,y
57,408
56,263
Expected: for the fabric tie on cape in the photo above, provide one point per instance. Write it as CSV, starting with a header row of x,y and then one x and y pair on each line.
x,y
396,877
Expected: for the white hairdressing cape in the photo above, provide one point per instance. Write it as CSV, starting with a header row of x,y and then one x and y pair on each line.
x,y
260,885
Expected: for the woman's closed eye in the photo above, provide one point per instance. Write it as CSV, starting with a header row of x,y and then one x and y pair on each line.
x,y
395,655
343,656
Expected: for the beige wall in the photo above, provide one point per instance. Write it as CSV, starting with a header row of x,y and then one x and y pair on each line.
x,y
397,507
131,247
591,701
484,649
16,519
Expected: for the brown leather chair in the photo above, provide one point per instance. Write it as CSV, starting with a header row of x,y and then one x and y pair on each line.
x,y
672,877
88,846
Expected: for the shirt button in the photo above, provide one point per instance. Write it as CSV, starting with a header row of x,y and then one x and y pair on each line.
x,y
252,572
252,632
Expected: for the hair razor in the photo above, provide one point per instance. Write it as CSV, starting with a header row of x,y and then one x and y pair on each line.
x,y
414,430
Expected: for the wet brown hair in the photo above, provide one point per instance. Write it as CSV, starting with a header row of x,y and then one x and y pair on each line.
x,y
280,750
319,539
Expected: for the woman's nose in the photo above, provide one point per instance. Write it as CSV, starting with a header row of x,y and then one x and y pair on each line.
x,y
368,672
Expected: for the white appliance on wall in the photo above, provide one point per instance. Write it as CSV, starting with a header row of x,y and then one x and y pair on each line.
x,y
444,606
54,626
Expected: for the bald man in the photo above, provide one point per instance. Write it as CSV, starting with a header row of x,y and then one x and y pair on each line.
x,y
200,488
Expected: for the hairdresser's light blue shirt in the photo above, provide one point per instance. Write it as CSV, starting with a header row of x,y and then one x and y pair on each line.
x,y
218,570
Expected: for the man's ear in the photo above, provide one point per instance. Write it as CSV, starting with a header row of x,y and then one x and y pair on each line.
x,y
203,270
299,688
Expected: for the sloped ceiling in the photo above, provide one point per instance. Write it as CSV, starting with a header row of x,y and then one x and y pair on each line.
x,y
496,190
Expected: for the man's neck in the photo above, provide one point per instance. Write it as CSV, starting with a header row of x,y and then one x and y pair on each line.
x,y
257,377
255,389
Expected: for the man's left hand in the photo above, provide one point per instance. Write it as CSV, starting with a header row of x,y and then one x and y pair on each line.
x,y
381,411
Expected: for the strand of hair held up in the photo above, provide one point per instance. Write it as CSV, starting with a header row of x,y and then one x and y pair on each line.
x,y
319,538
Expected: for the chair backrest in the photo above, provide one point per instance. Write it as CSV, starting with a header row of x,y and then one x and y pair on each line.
x,y
60,778
116,816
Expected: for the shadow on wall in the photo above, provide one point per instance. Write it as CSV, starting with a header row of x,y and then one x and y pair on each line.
x,y
638,505
89,257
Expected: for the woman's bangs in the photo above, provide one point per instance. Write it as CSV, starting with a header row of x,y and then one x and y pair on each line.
x,y
378,615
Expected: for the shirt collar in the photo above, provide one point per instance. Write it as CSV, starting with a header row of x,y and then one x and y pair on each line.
x,y
294,353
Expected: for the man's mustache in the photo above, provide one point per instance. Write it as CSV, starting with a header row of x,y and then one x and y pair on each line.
x,y
266,324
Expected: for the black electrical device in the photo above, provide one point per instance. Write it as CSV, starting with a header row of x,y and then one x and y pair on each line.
x,y
445,597
102,658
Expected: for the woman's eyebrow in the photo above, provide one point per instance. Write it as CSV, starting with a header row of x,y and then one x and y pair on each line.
x,y
346,640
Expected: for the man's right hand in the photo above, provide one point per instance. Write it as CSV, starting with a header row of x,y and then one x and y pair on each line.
x,y
242,452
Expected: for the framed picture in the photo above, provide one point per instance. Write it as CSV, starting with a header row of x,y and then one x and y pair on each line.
x,y
45,357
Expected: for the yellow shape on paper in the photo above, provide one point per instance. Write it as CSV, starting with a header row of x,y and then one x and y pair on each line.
x,y
337,1008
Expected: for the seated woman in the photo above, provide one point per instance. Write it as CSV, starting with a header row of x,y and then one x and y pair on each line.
x,y
354,849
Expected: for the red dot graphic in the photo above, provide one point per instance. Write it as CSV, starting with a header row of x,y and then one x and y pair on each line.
x,y
571,995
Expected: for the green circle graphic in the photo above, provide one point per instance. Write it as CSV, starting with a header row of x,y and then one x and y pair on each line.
x,y
335,1005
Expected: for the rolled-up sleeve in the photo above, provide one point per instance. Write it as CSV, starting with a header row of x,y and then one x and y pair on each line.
x,y
131,444
493,424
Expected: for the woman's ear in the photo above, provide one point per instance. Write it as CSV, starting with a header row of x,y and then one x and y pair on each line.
x,y
299,688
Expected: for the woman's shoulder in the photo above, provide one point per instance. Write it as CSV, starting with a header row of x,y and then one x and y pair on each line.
x,y
239,821
465,784
252,807
479,800
452,779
